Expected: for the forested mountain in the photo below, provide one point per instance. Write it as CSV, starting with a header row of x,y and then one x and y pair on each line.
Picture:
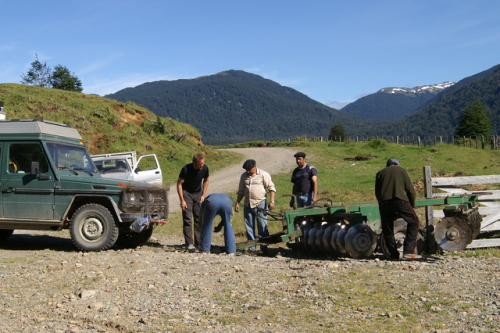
x,y
236,106
394,103
440,116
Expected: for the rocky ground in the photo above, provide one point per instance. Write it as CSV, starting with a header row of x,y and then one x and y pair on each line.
x,y
48,286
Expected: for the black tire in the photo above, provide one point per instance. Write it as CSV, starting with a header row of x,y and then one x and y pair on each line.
x,y
5,233
399,236
93,228
133,239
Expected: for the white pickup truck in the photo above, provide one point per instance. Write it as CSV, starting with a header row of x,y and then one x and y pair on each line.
x,y
126,166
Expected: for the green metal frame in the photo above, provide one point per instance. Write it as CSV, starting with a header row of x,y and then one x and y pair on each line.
x,y
367,213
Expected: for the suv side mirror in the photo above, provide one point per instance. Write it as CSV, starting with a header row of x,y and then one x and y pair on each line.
x,y
35,168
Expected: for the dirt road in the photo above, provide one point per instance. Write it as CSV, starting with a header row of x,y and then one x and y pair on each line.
x,y
272,160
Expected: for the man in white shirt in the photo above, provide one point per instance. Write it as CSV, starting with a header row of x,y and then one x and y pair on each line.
x,y
254,185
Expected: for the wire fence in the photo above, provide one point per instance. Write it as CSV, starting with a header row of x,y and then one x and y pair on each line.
x,y
478,142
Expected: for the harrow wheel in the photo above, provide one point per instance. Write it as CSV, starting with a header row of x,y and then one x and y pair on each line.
x,y
399,236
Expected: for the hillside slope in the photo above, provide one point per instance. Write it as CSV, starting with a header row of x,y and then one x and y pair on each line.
x,y
110,126
235,106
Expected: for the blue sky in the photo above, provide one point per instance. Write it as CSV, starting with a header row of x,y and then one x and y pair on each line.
x,y
332,51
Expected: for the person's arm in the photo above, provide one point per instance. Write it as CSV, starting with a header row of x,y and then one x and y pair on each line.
x,y
205,187
237,205
410,191
272,195
314,180
180,181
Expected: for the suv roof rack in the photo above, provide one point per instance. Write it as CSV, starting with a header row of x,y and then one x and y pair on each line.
x,y
38,126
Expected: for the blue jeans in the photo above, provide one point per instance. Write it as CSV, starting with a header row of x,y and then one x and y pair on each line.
x,y
304,200
217,204
252,214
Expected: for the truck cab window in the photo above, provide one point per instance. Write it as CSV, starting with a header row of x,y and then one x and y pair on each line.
x,y
22,154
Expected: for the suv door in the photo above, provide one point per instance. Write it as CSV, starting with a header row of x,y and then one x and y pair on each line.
x,y
26,195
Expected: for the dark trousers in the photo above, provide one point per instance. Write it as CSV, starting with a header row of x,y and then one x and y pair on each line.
x,y
389,211
191,218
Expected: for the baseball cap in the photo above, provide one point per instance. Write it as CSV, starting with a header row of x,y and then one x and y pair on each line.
x,y
392,161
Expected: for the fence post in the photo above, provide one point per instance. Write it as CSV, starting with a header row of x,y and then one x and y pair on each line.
x,y
482,141
418,138
429,212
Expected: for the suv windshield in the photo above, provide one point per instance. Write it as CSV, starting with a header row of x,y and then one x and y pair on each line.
x,y
67,157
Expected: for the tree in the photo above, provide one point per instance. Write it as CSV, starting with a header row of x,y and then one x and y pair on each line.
x,y
63,79
337,132
39,74
474,121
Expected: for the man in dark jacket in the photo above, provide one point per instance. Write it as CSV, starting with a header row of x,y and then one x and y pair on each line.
x,y
396,198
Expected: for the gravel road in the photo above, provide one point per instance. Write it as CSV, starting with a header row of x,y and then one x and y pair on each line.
x,y
47,286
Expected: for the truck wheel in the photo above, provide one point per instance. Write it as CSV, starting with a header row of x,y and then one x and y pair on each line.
x,y
134,239
92,228
5,233
399,236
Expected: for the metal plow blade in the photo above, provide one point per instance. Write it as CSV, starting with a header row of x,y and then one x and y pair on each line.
x,y
454,233
360,241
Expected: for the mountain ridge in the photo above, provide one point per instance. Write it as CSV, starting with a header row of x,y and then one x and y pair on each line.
x,y
235,106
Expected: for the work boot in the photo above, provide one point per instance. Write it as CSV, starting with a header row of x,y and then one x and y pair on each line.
x,y
412,256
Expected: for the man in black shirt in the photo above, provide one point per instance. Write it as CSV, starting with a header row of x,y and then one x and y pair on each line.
x,y
192,187
305,182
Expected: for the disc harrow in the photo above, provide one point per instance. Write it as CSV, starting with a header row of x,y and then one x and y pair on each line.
x,y
353,230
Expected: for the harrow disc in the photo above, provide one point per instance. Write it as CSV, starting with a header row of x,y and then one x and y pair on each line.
x,y
319,238
453,233
333,240
360,241
341,239
305,238
311,240
327,236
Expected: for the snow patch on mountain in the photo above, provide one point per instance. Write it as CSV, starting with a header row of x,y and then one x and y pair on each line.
x,y
418,90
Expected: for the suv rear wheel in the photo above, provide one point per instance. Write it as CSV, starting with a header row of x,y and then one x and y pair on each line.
x,y
92,228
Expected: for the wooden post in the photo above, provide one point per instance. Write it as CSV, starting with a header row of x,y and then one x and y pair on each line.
x,y
429,212
482,141
441,139
418,138
397,139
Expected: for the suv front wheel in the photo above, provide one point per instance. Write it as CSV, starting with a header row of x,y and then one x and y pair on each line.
x,y
93,228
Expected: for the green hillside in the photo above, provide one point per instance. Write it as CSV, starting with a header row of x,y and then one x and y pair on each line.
x,y
109,126
236,106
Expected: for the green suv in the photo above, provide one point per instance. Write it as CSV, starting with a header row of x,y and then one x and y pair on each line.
x,y
49,182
